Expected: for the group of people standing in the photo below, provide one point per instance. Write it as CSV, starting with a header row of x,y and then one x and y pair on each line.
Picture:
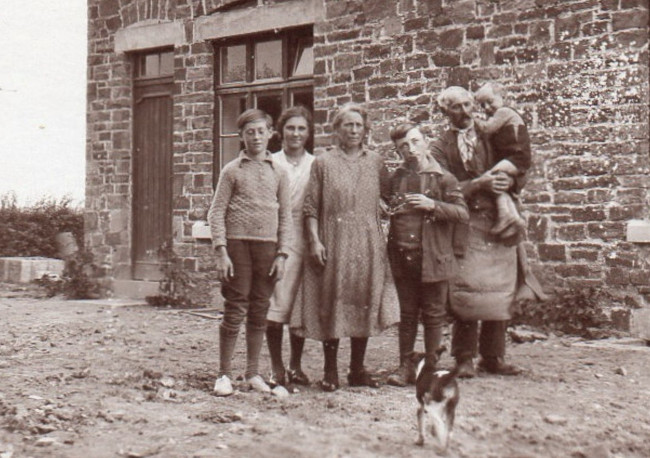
x,y
299,241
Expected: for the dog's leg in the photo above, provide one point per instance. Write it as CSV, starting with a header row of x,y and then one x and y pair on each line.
x,y
420,440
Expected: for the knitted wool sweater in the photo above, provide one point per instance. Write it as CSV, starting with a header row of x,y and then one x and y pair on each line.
x,y
252,202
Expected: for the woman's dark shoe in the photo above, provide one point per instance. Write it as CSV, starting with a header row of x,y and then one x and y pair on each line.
x,y
362,378
330,383
277,380
297,377
328,387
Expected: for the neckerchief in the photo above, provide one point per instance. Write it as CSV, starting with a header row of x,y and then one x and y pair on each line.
x,y
467,140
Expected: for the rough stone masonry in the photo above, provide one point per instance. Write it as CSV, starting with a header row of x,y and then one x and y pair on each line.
x,y
577,70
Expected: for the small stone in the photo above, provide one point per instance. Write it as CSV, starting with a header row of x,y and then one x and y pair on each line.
x,y
597,375
555,420
524,335
45,442
596,451
44,429
167,382
621,371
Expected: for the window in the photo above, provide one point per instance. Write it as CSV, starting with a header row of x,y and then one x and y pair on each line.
x,y
154,65
270,71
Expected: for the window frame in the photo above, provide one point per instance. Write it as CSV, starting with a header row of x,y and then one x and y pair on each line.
x,y
286,85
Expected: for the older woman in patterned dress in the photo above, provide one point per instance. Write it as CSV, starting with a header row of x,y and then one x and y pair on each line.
x,y
344,291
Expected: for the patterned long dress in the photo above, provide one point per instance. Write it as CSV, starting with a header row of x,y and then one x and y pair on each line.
x,y
353,295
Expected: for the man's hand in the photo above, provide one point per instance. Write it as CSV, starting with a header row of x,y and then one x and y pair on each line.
x,y
318,252
420,202
225,269
277,268
497,182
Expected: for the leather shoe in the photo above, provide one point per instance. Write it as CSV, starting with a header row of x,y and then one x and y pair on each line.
x,y
496,365
465,368
362,378
403,376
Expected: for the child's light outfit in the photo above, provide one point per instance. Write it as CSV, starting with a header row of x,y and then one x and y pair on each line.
x,y
286,289
510,143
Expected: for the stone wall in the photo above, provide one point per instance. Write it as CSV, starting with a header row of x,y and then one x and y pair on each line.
x,y
577,70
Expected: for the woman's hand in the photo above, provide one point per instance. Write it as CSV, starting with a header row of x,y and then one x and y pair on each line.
x,y
225,269
277,268
318,252
420,202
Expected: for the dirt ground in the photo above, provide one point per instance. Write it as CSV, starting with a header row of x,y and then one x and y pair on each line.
x,y
88,380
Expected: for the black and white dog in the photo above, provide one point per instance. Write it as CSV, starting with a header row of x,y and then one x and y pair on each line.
x,y
438,394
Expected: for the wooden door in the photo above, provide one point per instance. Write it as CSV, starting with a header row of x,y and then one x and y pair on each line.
x,y
152,176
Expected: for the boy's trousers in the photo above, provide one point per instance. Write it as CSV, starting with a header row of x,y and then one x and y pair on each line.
x,y
246,296
417,299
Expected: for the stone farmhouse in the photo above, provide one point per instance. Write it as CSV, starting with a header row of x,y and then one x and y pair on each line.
x,y
167,78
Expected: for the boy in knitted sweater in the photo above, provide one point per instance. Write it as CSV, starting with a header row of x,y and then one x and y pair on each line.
x,y
250,221
511,144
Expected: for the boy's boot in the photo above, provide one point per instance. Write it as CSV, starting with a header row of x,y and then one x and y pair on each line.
x,y
404,375
497,365
508,219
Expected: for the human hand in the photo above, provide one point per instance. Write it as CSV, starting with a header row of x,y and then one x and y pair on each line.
x,y
496,182
277,268
225,268
420,202
318,252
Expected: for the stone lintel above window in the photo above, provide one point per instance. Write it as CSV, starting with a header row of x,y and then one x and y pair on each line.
x,y
146,35
258,19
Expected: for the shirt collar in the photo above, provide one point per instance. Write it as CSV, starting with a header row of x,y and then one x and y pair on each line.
x,y
244,157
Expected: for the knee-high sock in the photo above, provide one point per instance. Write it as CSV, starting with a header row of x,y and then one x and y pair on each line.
x,y
274,333
358,353
297,345
254,341
330,350
227,342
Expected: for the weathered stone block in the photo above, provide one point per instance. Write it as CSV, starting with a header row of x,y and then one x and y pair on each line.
x,y
630,19
27,269
551,252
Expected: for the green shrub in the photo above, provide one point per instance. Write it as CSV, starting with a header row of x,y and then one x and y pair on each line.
x,y
31,231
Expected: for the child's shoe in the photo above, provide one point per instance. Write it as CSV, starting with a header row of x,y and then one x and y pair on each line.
x,y
509,221
258,384
223,386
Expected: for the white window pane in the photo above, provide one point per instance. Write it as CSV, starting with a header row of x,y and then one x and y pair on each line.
x,y
167,63
304,64
268,59
233,64
152,65
231,107
230,148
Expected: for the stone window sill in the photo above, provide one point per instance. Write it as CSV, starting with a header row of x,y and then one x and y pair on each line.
x,y
201,231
